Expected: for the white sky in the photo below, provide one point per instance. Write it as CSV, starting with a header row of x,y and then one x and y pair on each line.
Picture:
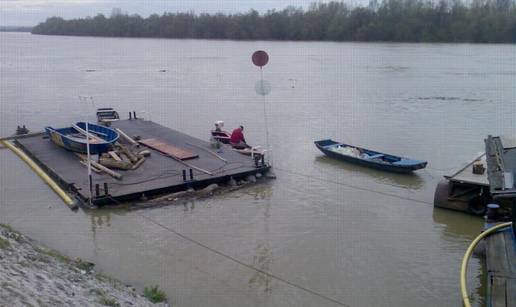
x,y
31,12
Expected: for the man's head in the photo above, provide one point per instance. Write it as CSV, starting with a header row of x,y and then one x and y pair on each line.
x,y
241,127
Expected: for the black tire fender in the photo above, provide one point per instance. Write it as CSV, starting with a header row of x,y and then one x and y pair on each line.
x,y
478,205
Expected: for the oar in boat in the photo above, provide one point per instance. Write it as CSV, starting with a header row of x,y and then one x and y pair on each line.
x,y
90,135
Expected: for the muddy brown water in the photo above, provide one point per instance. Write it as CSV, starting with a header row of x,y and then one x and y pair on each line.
x,y
326,233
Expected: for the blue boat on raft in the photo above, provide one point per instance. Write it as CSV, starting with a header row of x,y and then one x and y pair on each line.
x,y
73,138
369,158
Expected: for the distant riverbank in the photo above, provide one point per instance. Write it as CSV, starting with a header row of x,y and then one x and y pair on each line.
x,y
483,21
34,275
15,29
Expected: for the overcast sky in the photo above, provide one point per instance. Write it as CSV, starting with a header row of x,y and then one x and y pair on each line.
x,y
31,12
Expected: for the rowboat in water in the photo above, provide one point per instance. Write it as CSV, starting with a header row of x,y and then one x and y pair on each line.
x,y
73,138
370,158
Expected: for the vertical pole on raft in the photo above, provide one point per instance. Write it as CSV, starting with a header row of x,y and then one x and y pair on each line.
x,y
88,154
513,209
260,58
266,122
90,181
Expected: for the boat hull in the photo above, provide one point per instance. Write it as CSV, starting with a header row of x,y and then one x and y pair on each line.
x,y
61,137
404,165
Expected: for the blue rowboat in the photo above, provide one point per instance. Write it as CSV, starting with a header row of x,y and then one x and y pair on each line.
x,y
370,158
74,138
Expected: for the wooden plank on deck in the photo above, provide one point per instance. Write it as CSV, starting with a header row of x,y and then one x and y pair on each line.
x,y
498,292
465,173
503,292
511,292
510,250
179,153
496,254
501,265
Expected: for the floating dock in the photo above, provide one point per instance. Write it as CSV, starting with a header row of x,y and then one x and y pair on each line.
x,y
470,192
501,246
499,233
463,190
157,175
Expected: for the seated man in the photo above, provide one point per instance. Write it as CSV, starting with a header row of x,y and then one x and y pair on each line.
x,y
237,139
218,126
220,135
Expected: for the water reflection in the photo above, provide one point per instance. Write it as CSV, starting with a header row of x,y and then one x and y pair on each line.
x,y
411,181
457,226
459,229
99,219
259,191
188,205
263,257
263,261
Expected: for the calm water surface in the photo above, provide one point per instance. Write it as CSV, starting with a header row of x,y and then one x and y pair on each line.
x,y
349,235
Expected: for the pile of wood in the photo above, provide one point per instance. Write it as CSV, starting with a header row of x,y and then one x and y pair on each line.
x,y
122,157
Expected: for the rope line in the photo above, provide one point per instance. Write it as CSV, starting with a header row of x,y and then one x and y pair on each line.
x,y
354,186
231,258
243,263
266,273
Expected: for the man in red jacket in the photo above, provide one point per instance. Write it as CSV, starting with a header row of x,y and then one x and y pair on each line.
x,y
237,139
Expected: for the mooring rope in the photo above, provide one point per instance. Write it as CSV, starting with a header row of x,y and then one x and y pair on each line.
x,y
229,257
354,186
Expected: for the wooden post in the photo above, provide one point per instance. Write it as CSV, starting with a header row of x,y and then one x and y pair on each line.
x,y
126,137
87,134
137,164
114,156
93,168
106,170
514,216
132,157
123,165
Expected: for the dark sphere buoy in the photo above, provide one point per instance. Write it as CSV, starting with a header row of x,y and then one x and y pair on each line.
x,y
260,58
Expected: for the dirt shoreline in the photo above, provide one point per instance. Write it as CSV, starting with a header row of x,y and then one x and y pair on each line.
x,y
33,275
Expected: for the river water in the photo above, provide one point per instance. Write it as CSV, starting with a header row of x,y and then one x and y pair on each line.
x,y
328,233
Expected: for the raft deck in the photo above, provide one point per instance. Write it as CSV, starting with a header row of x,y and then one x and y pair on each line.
x,y
157,175
465,174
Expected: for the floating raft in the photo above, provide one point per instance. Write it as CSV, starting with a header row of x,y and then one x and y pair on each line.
x,y
159,174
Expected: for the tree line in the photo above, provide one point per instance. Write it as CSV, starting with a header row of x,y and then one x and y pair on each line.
x,y
479,21
15,29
